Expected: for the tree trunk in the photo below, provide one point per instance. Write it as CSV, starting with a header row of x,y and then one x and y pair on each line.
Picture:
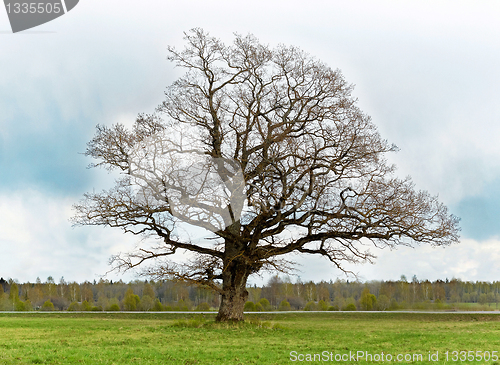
x,y
234,294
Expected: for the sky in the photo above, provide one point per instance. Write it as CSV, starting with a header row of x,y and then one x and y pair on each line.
x,y
425,71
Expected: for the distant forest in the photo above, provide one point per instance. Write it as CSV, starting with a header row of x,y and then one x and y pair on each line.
x,y
277,294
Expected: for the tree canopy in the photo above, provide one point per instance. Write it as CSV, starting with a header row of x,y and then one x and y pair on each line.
x,y
267,151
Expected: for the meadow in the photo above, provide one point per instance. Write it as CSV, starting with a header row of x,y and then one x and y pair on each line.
x,y
277,338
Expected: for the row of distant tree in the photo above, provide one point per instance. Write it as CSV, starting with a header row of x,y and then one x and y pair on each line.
x,y
377,295
277,294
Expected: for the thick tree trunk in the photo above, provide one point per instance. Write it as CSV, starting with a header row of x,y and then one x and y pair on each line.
x,y
234,294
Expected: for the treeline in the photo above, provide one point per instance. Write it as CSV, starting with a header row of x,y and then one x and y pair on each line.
x,y
411,294
104,295
277,294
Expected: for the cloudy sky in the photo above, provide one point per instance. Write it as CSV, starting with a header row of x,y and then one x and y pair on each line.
x,y
426,71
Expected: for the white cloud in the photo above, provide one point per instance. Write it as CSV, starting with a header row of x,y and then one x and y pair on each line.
x,y
426,71
470,260
37,240
467,260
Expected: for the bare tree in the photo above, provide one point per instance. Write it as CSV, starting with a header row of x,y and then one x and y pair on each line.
x,y
266,150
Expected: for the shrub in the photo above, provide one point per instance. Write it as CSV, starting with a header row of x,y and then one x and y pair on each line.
x,y
311,306
284,306
130,300
265,304
147,303
367,300
203,307
483,299
394,305
74,306
296,302
182,306
158,307
249,307
440,304
20,306
339,302
333,308
48,306
350,307
27,305
383,302
59,303
322,306
113,308
259,307
86,306
97,308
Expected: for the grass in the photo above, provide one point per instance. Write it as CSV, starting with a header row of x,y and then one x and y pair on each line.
x,y
167,338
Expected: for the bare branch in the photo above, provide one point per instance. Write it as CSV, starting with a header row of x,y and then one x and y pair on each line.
x,y
267,152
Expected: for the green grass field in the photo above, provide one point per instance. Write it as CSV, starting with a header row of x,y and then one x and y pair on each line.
x,y
167,338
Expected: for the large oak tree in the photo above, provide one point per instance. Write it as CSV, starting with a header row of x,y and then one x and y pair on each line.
x,y
266,150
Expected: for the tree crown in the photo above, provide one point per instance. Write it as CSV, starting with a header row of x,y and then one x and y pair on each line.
x,y
265,149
